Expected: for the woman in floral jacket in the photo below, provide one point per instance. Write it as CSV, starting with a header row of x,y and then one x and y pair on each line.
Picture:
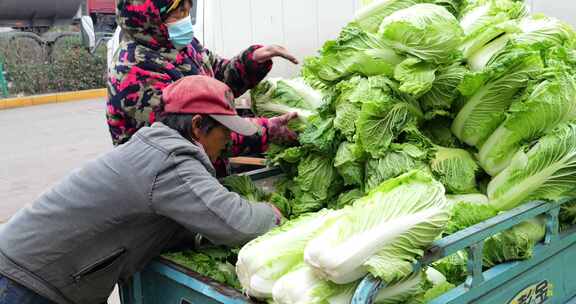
x,y
158,48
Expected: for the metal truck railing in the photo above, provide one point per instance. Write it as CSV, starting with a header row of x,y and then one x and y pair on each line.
x,y
540,279
546,278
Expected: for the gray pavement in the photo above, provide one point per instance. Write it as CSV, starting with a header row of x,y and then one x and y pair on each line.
x,y
39,145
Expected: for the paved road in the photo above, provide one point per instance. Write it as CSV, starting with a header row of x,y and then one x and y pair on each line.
x,y
40,145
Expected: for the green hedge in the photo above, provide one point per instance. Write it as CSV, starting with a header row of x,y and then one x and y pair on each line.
x,y
32,69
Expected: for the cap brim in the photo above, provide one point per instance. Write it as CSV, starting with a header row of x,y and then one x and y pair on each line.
x,y
237,124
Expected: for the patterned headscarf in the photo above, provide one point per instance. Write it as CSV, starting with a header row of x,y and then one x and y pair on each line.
x,y
146,62
143,21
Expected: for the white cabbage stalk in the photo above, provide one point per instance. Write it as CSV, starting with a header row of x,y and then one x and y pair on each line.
x,y
277,96
303,286
484,21
470,20
311,95
550,104
434,276
480,60
475,198
490,93
303,114
538,31
264,260
383,233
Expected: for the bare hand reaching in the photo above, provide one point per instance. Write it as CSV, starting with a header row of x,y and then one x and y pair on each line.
x,y
266,53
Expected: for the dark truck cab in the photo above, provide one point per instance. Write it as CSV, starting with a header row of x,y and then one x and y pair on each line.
x,y
39,16
102,13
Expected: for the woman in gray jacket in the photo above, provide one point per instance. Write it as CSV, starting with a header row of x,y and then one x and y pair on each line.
x,y
100,225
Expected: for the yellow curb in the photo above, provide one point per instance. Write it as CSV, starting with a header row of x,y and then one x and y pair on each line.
x,y
42,99
19,102
79,95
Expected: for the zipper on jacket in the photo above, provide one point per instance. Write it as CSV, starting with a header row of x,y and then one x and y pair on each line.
x,y
98,265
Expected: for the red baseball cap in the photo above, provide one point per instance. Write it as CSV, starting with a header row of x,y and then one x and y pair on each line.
x,y
206,95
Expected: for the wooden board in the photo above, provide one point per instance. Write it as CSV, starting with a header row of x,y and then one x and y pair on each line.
x,y
254,161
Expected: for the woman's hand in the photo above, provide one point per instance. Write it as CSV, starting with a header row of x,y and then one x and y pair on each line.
x,y
266,53
278,129
278,214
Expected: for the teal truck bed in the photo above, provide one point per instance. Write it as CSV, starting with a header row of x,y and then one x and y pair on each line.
x,y
546,278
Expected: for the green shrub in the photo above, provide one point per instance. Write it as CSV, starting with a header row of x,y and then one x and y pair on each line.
x,y
36,69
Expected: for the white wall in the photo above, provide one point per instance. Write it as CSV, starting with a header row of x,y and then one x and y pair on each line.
x,y
229,26
562,9
302,26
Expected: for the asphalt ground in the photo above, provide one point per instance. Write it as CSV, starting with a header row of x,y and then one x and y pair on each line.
x,y
39,145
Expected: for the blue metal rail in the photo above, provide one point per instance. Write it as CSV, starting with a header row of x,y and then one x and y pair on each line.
x,y
166,282
546,278
553,261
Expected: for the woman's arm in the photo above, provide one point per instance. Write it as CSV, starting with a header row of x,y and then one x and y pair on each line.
x,y
240,73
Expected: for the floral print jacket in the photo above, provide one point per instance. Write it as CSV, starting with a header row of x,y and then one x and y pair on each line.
x,y
146,62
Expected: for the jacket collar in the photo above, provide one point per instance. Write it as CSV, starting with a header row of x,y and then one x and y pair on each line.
x,y
170,141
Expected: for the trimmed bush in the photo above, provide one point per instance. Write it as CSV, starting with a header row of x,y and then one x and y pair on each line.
x,y
33,69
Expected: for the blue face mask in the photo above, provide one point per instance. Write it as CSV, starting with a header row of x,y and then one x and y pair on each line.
x,y
181,32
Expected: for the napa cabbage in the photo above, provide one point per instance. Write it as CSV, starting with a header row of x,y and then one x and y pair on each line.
x,y
244,186
453,267
543,32
535,32
484,21
316,183
210,262
381,122
416,76
473,198
545,171
491,92
400,159
426,31
444,90
280,96
263,261
347,198
437,129
370,16
382,233
354,52
467,214
349,162
455,7
351,94
320,135
516,243
551,103
456,169
304,286
567,215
